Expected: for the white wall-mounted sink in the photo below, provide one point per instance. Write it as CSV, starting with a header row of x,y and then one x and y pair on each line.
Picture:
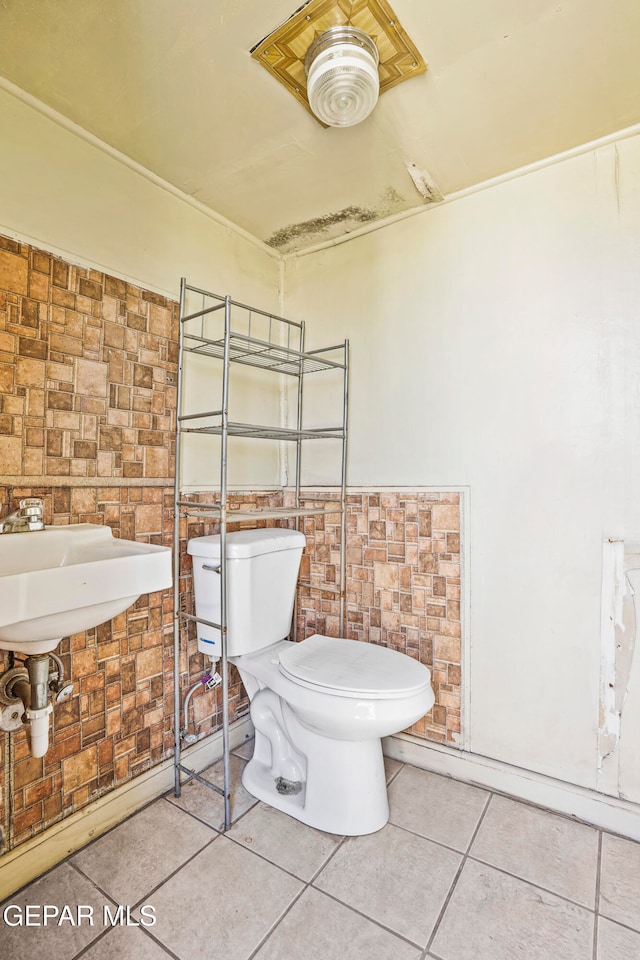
x,y
61,580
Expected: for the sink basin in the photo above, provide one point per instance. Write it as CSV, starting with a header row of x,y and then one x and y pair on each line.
x,y
61,580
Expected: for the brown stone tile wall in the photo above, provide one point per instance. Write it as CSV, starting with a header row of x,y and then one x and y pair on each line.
x,y
403,583
87,418
403,587
87,372
114,725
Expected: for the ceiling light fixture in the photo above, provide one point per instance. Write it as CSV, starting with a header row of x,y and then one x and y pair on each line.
x,y
342,76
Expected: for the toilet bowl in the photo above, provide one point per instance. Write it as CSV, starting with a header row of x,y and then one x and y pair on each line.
x,y
320,706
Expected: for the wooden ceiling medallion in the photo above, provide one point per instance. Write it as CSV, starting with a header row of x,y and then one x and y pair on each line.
x,y
282,53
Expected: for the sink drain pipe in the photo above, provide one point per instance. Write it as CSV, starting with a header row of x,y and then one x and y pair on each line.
x,y
25,693
34,693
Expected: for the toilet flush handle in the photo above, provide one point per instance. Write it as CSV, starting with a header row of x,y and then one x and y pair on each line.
x,y
207,566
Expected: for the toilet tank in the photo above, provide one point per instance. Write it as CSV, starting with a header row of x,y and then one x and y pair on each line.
x,y
262,573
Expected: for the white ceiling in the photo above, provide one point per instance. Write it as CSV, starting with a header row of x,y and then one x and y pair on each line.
x,y
171,84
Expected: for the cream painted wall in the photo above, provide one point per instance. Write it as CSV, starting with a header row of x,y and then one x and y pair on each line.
x,y
496,344
66,195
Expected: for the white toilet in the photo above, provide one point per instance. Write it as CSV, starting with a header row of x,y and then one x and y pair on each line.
x,y
320,706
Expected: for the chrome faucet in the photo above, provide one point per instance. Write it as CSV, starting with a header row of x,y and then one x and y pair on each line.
x,y
29,516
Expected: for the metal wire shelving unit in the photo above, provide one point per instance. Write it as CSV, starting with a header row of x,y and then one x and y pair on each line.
x,y
233,333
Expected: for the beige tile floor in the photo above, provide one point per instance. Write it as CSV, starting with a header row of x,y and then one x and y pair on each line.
x,y
458,873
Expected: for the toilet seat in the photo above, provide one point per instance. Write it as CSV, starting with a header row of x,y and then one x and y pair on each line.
x,y
352,668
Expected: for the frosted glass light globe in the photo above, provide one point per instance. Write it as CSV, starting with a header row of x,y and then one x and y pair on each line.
x,y
342,76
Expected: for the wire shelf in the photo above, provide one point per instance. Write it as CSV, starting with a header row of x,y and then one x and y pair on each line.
x,y
261,353
269,433
211,510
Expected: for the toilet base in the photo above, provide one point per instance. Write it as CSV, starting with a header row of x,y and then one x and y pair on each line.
x,y
343,790
318,750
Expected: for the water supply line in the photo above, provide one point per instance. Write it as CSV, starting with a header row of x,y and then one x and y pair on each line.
x,y
209,682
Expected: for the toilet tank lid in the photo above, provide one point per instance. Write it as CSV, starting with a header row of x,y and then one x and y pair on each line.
x,y
242,544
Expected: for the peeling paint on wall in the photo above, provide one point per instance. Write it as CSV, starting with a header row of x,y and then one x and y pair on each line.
x,y
629,688
425,184
608,721
620,597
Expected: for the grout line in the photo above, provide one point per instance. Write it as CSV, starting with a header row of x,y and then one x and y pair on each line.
x,y
619,923
241,816
144,898
391,779
169,876
92,944
452,888
365,916
274,926
159,943
105,932
219,831
190,813
85,876
515,876
530,883
170,797
596,919
438,843
378,923
343,842
306,886
272,863
310,885
479,824
265,859
105,896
